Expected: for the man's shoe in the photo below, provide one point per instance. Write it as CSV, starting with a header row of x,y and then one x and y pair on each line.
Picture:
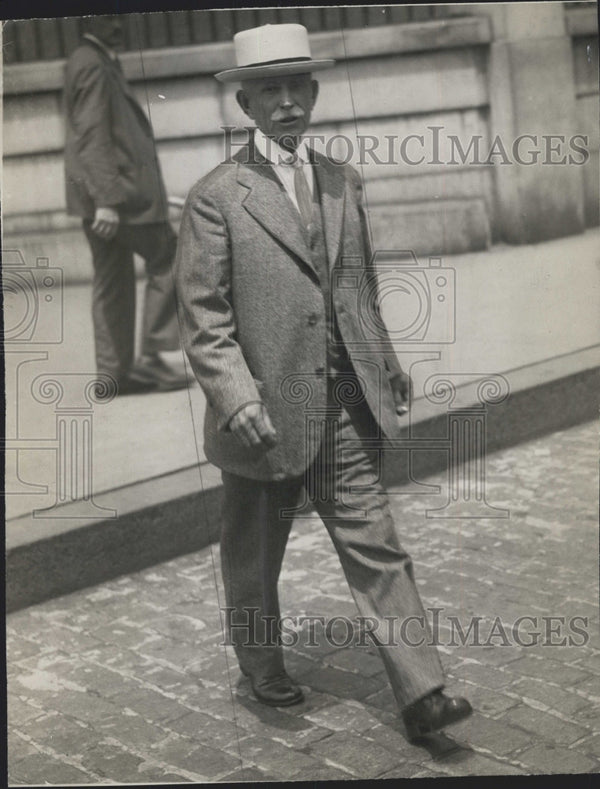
x,y
129,386
276,691
153,370
433,713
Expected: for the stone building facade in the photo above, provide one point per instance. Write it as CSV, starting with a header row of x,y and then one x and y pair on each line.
x,y
471,124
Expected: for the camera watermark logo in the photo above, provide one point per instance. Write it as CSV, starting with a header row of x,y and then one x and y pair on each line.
x,y
33,320
33,300
399,298
390,306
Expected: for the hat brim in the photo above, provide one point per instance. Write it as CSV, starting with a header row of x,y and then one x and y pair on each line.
x,y
273,70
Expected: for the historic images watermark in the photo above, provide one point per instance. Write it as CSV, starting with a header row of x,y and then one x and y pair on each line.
x,y
435,146
33,320
438,629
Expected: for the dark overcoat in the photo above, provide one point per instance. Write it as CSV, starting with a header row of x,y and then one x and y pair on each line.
x,y
110,153
253,315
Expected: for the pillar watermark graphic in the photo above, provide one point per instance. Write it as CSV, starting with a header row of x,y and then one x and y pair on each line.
x,y
322,430
33,321
74,396
466,444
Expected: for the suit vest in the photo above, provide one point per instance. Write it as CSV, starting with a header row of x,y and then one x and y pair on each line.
x,y
337,355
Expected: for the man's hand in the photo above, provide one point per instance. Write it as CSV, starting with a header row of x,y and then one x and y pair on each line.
x,y
106,222
403,391
253,428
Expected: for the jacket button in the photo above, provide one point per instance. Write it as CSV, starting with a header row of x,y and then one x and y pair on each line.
x,y
312,319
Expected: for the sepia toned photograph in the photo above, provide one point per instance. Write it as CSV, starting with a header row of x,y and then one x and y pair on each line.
x,y
301,334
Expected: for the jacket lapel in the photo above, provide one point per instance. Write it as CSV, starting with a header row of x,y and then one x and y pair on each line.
x,y
268,202
332,188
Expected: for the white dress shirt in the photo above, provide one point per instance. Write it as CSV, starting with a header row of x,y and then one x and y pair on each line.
x,y
281,159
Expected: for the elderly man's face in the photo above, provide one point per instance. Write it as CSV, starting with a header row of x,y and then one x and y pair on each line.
x,y
280,106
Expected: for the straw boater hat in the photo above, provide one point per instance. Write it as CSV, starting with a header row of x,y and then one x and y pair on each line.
x,y
272,50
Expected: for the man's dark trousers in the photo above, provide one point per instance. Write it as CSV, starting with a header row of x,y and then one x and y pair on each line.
x,y
343,485
113,298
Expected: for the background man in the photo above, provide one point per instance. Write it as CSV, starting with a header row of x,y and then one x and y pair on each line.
x,y
270,334
113,181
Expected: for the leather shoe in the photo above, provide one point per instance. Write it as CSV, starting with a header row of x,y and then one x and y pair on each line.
x,y
432,713
151,369
278,690
129,386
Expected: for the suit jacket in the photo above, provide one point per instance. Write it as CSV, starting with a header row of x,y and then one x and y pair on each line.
x,y
253,314
110,154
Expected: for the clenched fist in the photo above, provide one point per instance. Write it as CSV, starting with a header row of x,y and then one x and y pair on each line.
x,y
253,428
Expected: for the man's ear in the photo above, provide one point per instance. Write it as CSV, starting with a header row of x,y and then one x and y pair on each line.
x,y
315,91
242,100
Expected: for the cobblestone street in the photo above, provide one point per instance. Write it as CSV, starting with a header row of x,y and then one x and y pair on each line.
x,y
127,682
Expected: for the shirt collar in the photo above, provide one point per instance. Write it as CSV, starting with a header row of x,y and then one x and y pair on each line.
x,y
274,153
110,52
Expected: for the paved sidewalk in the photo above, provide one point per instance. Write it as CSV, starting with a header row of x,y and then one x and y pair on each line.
x,y
126,682
493,293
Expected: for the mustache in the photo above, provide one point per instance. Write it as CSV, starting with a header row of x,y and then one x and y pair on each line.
x,y
280,115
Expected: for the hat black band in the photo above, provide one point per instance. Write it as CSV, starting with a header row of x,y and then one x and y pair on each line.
x,y
275,62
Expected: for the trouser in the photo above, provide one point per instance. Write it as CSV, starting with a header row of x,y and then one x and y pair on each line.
x,y
113,296
344,487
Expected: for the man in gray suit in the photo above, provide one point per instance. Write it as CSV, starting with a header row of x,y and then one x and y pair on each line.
x,y
114,183
272,245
